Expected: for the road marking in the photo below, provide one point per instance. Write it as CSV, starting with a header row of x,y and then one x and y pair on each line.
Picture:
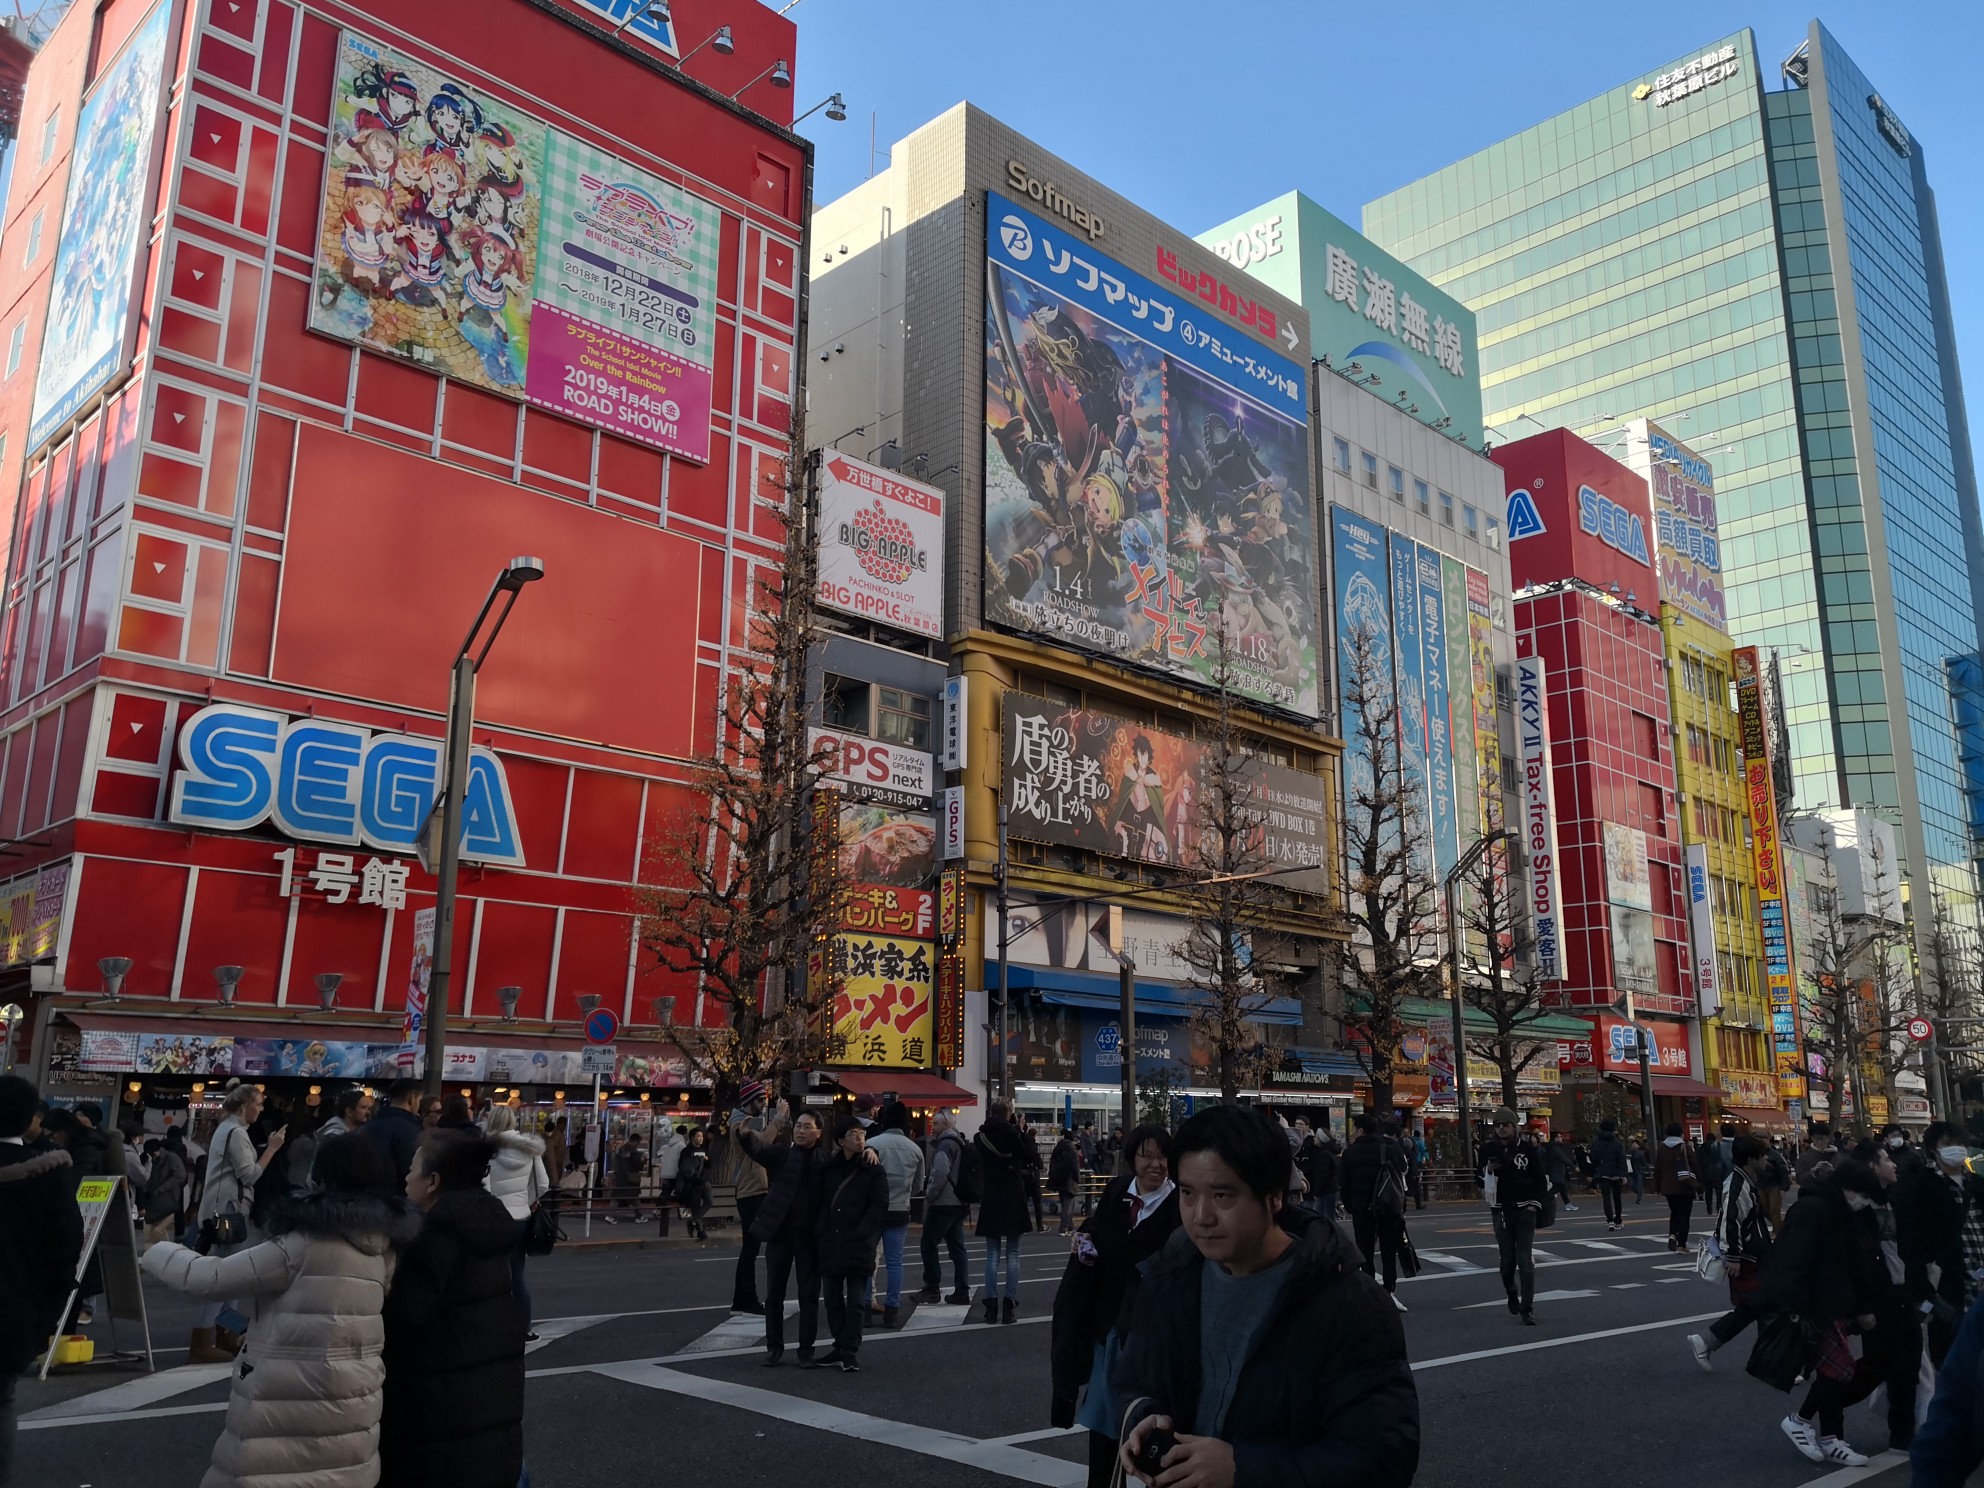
x,y
986,1456
1540,1297
552,1329
1046,1433
1544,1257
1626,1286
1875,1466
1597,1260
736,1332
135,1394
1669,1280
29,1423
1459,1265
1606,1245
1547,1343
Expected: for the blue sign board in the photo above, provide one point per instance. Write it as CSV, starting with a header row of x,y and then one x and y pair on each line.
x,y
323,781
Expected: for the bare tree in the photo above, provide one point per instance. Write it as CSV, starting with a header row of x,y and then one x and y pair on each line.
x,y
1953,985
1504,987
1225,909
1862,988
745,881
1390,891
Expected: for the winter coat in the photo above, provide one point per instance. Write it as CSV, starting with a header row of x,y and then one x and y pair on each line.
x,y
1064,1167
1003,1210
1711,1167
1673,1171
517,1176
1949,1445
1557,1163
1743,1231
746,1174
945,1155
1608,1158
165,1186
1325,1394
395,1131
232,1171
852,1208
1098,1293
1814,1163
902,1161
41,1238
1364,1162
789,1198
455,1353
668,1156
1928,1211
1318,1161
1820,1266
304,1408
1521,1172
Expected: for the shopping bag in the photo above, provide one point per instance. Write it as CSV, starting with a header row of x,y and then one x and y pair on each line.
x,y
1785,1350
1709,1265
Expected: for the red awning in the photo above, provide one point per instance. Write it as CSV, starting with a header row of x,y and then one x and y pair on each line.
x,y
277,1021
1681,1085
911,1087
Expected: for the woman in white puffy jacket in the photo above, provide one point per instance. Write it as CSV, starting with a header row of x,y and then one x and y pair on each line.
x,y
517,1177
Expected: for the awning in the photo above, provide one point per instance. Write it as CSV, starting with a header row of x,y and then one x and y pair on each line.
x,y
1767,1118
911,1087
1087,989
280,1022
1438,1012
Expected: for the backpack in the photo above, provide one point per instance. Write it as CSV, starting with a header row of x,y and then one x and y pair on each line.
x,y
969,1182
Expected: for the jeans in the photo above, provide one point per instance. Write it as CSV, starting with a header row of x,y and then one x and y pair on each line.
x,y
10,1419
1326,1203
894,1237
844,1309
784,1253
1725,1328
744,1291
1010,1245
1680,1208
519,1288
944,1227
1613,1192
1515,1233
1381,1234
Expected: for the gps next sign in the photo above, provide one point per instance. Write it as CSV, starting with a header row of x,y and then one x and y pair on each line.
x,y
323,781
1576,513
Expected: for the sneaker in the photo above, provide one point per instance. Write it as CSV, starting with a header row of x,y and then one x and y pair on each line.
x,y
1515,1304
755,1309
806,1359
932,1295
1529,1319
1803,1437
1698,1346
1570,1208
774,1358
1398,1304
1833,1449
532,1338
958,1299
849,1366
827,1360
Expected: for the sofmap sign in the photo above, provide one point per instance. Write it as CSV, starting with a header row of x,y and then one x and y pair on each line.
x,y
1049,197
1539,822
323,781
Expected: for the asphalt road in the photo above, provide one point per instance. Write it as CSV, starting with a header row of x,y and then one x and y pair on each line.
x,y
633,1385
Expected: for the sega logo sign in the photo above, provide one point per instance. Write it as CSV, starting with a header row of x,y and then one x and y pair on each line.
x,y
333,782
1612,524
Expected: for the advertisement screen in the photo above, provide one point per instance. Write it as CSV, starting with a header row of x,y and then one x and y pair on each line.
x,y
1439,723
1363,636
471,239
104,221
887,846
881,546
1146,483
1084,779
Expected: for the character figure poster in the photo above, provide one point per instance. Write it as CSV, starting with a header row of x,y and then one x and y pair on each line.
x,y
1147,471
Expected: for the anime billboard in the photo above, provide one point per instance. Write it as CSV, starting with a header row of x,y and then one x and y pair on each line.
x,y
86,337
437,201
1146,483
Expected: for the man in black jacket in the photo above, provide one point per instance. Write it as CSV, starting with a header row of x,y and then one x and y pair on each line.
x,y
395,1127
1372,1173
1521,1187
41,1237
785,1226
1939,1214
852,1204
1257,1343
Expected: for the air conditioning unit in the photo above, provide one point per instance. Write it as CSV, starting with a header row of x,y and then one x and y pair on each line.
x,y
1495,542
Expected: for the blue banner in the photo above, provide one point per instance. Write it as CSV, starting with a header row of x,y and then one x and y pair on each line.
x,y
1439,727
1407,652
1363,612
1073,270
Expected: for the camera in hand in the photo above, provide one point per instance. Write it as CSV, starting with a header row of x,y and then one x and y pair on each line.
x,y
1150,1456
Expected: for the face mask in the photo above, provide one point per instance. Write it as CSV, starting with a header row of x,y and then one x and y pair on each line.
x,y
1857,1202
1952,1156
1895,1144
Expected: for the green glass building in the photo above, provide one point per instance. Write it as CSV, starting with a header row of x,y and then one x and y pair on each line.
x,y
1750,256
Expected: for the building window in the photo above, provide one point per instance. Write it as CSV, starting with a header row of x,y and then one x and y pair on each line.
x,y
1395,479
1343,455
1505,692
15,341
848,703
1509,782
1653,808
1423,494
1646,735
51,129
34,241
1471,520
1370,469
902,718
1446,509
1494,533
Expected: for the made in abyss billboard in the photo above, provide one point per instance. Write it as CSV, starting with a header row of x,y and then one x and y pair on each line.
x,y
1147,473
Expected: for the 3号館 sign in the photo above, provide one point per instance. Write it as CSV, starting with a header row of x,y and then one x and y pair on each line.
x,y
323,781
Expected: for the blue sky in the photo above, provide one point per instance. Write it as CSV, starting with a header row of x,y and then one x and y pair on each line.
x,y
1198,112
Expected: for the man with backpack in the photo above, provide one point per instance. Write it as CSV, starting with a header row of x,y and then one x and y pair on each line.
x,y
953,1187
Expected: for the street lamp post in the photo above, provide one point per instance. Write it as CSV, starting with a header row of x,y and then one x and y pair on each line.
x,y
1456,946
461,719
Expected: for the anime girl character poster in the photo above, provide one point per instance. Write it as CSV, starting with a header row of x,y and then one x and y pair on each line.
x,y
1147,484
104,218
428,243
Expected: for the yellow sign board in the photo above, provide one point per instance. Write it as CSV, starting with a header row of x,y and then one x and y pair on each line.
x,y
882,1013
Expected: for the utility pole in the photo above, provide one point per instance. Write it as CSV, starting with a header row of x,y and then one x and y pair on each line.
x,y
1001,1070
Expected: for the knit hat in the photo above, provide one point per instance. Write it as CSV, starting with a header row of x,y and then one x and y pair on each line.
x,y
1505,1117
749,1091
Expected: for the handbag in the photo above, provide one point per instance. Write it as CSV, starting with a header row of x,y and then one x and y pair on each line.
x,y
1709,1264
230,1227
543,1232
1408,1253
1785,1350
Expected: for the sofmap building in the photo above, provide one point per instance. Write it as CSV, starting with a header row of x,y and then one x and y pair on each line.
x,y
1745,248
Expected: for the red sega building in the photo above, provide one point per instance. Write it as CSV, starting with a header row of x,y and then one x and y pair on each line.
x,y
412,288
1581,561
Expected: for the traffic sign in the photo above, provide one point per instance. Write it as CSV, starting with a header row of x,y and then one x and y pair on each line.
x,y
1921,1030
601,1025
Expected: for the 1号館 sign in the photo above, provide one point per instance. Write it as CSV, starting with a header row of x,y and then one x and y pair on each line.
x,y
323,781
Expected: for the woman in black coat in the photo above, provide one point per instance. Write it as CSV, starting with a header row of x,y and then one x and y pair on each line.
x,y
1136,1214
853,1204
692,1182
454,1410
1002,1209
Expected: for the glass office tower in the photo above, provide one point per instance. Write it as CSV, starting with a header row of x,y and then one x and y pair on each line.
x,y
1754,262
